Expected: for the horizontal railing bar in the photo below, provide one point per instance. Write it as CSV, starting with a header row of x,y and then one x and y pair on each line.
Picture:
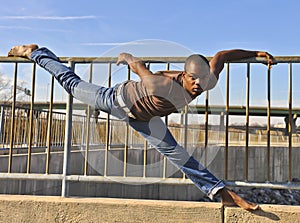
x,y
279,59
82,178
128,179
200,109
44,106
142,180
30,176
241,110
287,185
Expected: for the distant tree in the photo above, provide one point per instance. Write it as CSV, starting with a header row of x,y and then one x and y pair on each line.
x,y
6,90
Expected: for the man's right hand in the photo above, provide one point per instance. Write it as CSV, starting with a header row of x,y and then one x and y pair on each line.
x,y
135,64
124,58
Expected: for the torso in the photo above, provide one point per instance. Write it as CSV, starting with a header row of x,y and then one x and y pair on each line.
x,y
156,95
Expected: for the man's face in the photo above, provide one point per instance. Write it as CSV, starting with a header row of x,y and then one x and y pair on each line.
x,y
195,80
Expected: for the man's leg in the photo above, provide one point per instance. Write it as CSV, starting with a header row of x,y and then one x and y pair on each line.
x,y
159,136
97,96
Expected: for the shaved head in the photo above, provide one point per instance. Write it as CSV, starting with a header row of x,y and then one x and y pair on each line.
x,y
197,64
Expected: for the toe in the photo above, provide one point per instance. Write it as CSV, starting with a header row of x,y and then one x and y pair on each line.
x,y
10,53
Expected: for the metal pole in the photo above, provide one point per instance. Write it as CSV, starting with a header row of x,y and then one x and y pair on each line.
x,y
145,154
269,123
206,122
290,121
227,121
107,128
68,141
12,126
145,159
87,128
126,138
49,129
247,122
164,175
31,119
186,113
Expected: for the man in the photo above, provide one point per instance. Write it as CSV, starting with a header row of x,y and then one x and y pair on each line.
x,y
142,103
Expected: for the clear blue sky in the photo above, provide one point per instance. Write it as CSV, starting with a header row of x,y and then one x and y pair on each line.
x,y
203,26
90,28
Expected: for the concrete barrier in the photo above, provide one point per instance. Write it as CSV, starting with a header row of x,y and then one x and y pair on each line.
x,y
35,209
268,213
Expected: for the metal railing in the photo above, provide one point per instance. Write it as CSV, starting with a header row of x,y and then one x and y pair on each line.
x,y
32,129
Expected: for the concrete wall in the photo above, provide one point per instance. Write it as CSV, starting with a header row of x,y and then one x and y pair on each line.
x,y
35,209
214,158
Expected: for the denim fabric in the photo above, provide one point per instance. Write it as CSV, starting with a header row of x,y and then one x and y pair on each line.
x,y
159,136
154,131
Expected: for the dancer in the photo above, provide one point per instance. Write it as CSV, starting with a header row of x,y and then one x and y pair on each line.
x,y
142,103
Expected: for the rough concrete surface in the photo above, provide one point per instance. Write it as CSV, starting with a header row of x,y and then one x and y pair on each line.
x,y
268,213
35,209
44,209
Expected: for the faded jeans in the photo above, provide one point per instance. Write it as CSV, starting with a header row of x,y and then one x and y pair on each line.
x,y
155,131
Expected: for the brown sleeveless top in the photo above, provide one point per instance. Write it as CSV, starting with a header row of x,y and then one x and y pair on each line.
x,y
159,94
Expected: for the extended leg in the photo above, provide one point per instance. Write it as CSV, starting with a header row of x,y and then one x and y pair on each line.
x,y
98,97
159,136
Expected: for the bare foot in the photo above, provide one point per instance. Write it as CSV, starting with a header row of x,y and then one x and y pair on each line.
x,y
230,198
22,51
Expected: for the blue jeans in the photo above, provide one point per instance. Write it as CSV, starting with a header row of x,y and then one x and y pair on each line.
x,y
155,131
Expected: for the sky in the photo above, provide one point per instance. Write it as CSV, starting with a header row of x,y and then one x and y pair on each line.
x,y
96,28
91,27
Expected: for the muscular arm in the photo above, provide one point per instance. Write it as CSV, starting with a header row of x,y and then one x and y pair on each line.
x,y
135,64
225,56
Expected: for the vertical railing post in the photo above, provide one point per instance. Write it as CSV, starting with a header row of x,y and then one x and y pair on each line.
x,y
206,122
269,124
49,127
164,175
125,160
68,141
31,119
290,101
12,126
227,121
247,122
145,155
108,129
186,116
87,128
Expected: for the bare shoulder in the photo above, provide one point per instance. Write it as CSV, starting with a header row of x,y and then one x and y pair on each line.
x,y
156,82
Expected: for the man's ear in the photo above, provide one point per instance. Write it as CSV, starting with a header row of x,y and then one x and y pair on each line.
x,y
212,81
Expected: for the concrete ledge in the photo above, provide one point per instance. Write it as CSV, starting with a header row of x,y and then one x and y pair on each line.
x,y
268,213
35,209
